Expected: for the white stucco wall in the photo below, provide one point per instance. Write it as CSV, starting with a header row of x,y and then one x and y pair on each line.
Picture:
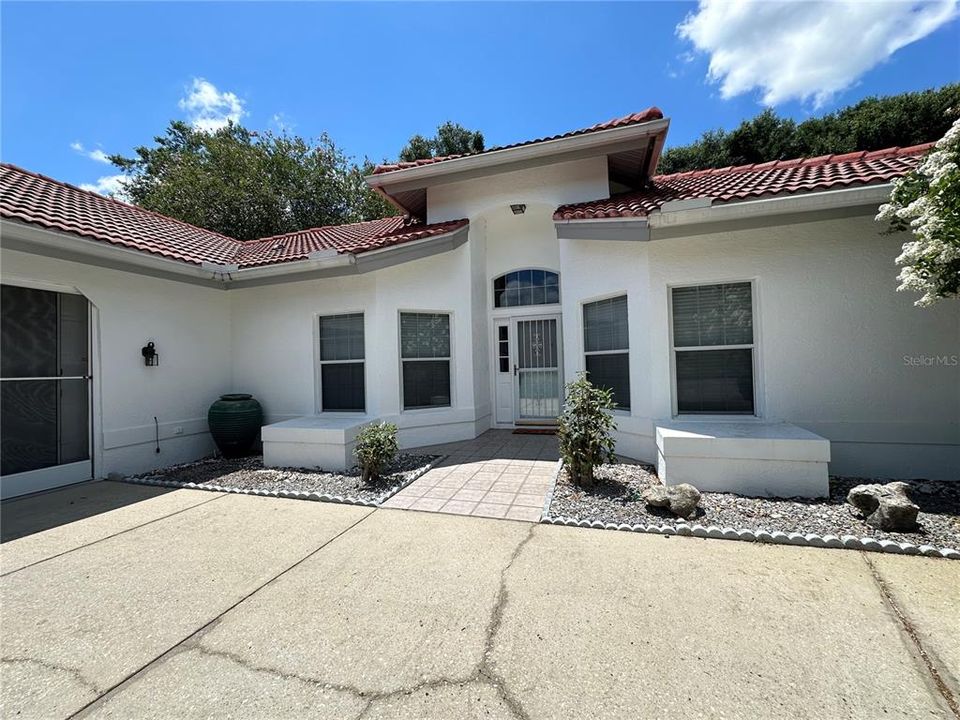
x,y
275,330
835,342
191,328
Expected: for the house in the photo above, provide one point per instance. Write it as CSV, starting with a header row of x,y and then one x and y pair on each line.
x,y
745,318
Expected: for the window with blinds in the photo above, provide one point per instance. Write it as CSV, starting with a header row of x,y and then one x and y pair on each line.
x,y
425,359
713,348
342,385
606,345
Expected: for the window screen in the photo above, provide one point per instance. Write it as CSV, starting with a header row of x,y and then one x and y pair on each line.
x,y
425,359
713,347
342,386
606,344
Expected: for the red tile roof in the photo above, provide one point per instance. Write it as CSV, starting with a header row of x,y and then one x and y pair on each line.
x,y
651,113
54,205
42,201
745,182
353,238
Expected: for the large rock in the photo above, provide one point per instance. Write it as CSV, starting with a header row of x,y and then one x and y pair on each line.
x,y
682,500
886,507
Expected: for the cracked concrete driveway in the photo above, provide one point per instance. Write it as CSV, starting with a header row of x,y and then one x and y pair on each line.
x,y
158,604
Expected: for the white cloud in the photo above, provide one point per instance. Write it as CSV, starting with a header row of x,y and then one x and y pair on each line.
x,y
803,50
112,185
208,108
96,154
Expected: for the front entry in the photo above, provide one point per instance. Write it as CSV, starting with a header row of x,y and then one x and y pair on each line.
x,y
45,383
528,365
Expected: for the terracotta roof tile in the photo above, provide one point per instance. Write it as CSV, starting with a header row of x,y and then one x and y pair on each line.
x,y
730,184
39,200
42,201
651,113
354,238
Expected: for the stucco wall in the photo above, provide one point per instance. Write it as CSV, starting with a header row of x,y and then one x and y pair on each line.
x,y
836,344
274,341
191,328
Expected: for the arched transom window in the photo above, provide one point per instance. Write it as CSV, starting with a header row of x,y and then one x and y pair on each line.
x,y
526,287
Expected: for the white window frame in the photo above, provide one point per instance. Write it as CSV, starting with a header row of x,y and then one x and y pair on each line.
x,y
450,361
583,346
754,347
319,363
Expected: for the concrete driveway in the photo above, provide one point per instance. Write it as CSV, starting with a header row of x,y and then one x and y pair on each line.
x,y
137,602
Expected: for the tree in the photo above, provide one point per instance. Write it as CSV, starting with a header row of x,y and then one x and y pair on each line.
x,y
451,139
871,124
246,184
926,202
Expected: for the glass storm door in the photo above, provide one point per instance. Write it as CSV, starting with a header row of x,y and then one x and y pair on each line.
x,y
45,386
537,368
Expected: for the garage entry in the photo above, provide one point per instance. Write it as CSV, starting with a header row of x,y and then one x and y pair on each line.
x,y
45,380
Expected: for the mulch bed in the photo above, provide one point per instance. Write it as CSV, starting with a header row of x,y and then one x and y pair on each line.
x,y
248,473
616,498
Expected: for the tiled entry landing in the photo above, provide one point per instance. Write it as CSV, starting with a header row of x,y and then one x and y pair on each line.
x,y
497,475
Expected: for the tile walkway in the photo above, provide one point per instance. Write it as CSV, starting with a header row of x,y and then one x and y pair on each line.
x,y
498,475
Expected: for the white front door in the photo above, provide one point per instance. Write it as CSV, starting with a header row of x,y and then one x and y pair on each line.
x,y
45,383
503,370
537,368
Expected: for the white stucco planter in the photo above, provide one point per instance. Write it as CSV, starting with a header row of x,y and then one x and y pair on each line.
x,y
747,458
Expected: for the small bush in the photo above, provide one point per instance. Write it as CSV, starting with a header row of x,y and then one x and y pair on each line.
x,y
584,429
376,448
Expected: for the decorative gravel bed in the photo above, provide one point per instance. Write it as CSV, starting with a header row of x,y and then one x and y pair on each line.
x,y
616,499
248,475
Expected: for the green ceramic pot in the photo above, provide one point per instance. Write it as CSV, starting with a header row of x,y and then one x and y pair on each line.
x,y
234,421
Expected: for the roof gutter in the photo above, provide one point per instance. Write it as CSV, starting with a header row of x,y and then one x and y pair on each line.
x,y
820,202
698,216
322,263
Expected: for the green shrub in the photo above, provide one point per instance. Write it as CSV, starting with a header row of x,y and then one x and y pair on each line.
x,y
584,429
376,448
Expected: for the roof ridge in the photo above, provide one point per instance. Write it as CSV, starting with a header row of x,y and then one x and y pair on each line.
x,y
324,227
129,206
816,161
649,114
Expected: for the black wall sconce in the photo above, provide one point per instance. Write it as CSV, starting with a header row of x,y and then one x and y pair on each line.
x,y
150,357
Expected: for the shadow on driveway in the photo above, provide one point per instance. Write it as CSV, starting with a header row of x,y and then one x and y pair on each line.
x,y
31,514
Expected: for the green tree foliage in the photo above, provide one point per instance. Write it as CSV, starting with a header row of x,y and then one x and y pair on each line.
x,y
584,430
246,184
451,139
871,124
376,448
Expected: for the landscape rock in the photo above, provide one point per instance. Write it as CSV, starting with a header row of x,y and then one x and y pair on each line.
x,y
682,500
886,507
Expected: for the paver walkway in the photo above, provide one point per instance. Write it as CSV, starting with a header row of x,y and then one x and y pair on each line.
x,y
499,475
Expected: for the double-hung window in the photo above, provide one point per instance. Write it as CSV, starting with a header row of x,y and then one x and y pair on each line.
x,y
342,386
425,359
713,348
606,345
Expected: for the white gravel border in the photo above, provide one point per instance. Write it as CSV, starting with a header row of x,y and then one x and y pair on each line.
x,y
289,494
777,537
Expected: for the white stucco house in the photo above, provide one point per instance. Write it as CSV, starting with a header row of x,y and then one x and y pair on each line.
x,y
745,318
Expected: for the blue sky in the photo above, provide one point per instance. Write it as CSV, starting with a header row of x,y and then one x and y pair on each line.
x,y
81,78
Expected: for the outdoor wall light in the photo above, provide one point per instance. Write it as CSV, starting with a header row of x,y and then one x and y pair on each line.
x,y
149,352
518,208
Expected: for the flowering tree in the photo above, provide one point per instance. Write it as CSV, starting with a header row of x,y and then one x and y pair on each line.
x,y
927,203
